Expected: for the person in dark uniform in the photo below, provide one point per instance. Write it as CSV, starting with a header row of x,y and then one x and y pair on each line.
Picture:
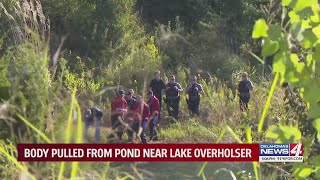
x,y
93,116
173,90
194,90
131,100
157,85
244,88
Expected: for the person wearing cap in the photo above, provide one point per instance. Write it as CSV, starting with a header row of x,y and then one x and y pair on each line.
x,y
173,90
118,108
139,116
244,88
194,90
93,116
157,85
132,93
154,106
130,99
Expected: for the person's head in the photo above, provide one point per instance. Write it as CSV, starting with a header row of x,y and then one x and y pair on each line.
x,y
120,93
245,76
129,95
131,91
150,94
157,74
193,79
172,79
139,99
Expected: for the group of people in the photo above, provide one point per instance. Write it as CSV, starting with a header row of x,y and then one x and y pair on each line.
x,y
133,115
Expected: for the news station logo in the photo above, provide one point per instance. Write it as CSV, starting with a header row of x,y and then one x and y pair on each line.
x,y
281,153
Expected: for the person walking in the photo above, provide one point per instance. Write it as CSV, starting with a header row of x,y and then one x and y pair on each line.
x,y
194,89
173,90
157,85
244,88
93,116
138,118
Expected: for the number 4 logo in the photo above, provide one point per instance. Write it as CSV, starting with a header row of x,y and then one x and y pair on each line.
x,y
296,149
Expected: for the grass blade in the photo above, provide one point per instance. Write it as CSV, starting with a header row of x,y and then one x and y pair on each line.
x,y
69,131
266,107
15,162
235,136
205,163
221,135
204,177
254,164
75,165
202,168
256,57
44,137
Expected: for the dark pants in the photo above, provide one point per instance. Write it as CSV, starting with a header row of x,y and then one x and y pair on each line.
x,y
98,124
152,128
116,126
243,102
194,106
135,126
173,107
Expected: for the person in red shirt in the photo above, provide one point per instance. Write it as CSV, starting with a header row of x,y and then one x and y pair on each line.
x,y
139,117
154,105
118,108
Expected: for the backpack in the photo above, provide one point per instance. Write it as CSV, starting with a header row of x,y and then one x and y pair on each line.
x,y
193,92
243,89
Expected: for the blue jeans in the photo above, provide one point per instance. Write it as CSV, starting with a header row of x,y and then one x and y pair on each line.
x,y
97,131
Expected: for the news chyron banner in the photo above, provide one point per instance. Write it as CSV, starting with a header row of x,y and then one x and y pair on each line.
x,y
161,152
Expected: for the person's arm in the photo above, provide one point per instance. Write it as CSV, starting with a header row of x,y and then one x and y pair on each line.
x,y
163,85
151,84
201,89
188,88
179,88
250,85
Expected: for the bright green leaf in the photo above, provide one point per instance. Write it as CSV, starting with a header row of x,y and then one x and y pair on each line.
x,y
294,17
316,31
286,2
311,94
284,134
303,172
316,124
278,63
302,4
314,110
270,47
274,32
306,24
309,38
260,29
315,17
273,132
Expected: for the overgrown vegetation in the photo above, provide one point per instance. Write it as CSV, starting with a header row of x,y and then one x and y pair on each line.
x,y
59,57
